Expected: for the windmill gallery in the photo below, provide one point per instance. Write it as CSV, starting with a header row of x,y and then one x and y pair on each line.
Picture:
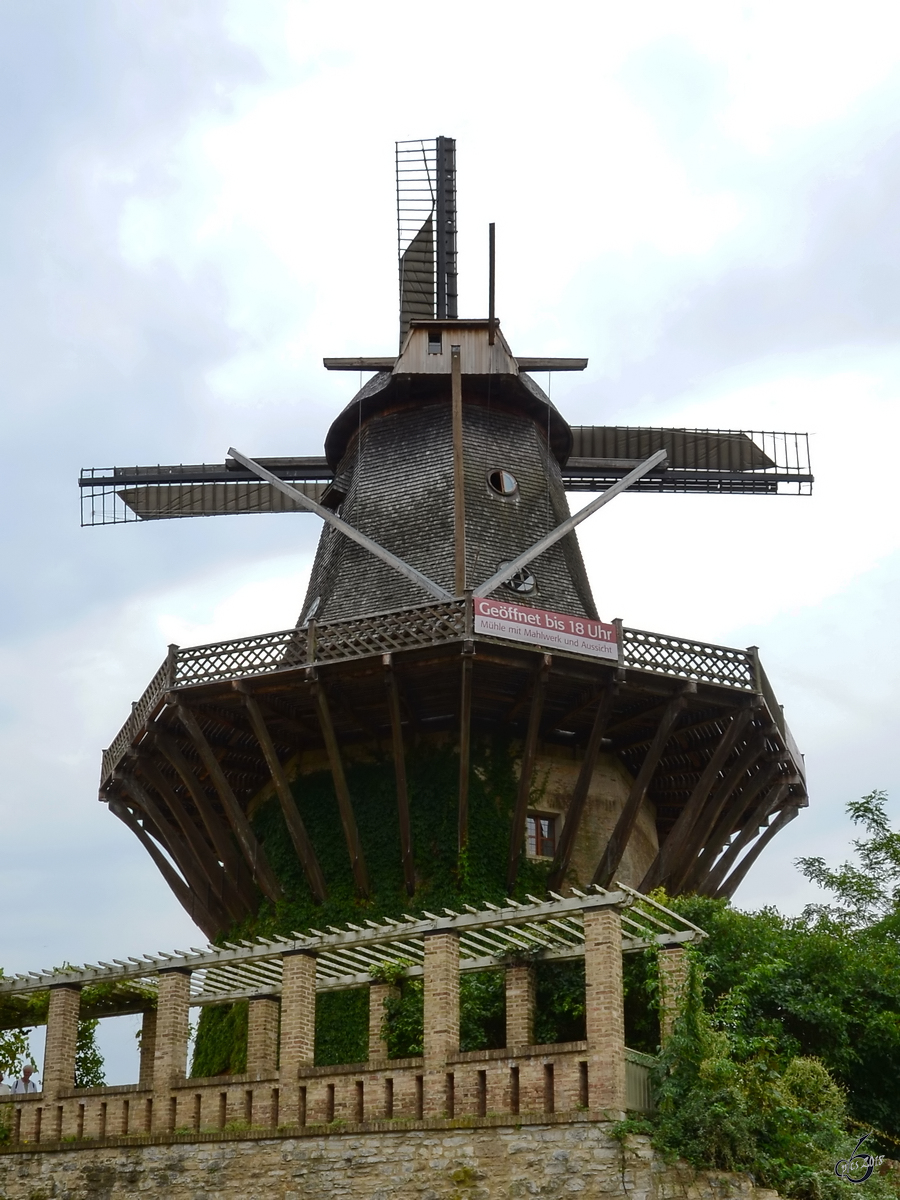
x,y
450,728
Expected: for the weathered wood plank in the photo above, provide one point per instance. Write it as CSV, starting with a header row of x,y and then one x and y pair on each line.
x,y
403,820
459,483
175,845
737,876
465,751
526,771
186,898
582,784
621,834
668,856
684,874
292,819
253,852
749,823
215,827
222,887
341,791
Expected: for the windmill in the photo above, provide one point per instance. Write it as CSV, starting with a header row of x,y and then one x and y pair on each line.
x,y
448,597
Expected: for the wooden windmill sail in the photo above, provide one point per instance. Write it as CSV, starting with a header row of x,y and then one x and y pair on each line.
x,y
442,488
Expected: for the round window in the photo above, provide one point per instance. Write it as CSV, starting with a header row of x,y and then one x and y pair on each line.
x,y
502,482
522,583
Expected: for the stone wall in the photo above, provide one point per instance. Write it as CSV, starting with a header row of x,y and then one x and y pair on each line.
x,y
432,1160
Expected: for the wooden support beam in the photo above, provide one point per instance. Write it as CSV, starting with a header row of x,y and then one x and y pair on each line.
x,y
175,846
254,855
751,825
342,792
526,771
621,834
222,887
465,752
669,853
582,784
403,821
459,480
737,876
186,898
292,819
686,872
732,817
215,827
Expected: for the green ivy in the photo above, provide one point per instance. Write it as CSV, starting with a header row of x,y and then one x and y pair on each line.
x,y
443,880
221,1046
342,1027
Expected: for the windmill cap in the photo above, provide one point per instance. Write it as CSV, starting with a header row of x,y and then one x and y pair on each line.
x,y
422,375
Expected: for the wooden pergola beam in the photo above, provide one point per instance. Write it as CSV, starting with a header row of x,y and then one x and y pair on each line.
x,y
737,876
752,824
526,771
215,827
670,851
176,846
465,751
191,903
579,795
253,852
621,834
403,819
292,819
705,823
341,791
221,886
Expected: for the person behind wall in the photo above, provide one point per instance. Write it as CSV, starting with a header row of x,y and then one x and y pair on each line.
x,y
5,1089
26,1084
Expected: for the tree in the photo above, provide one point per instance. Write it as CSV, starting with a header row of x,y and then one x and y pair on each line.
x,y
869,892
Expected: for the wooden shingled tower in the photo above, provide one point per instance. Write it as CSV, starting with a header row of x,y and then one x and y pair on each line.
x,y
448,605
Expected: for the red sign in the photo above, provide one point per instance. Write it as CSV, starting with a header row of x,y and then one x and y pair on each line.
x,y
556,631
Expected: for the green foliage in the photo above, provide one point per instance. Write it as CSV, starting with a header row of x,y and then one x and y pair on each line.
x,y
404,1020
342,1027
868,891
221,1046
482,1010
15,1051
88,1059
443,879
559,1002
640,981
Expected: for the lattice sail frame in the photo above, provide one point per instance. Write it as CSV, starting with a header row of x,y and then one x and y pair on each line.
x,y
490,937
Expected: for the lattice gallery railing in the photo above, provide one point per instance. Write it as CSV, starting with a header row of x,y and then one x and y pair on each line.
x,y
408,629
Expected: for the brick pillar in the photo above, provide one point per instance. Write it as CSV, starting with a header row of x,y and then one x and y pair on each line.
x,y
520,991
62,1036
262,1035
170,1052
378,994
673,978
604,1009
441,1017
148,1048
298,1028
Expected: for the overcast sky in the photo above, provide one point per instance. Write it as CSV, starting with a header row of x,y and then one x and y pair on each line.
x,y
197,205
